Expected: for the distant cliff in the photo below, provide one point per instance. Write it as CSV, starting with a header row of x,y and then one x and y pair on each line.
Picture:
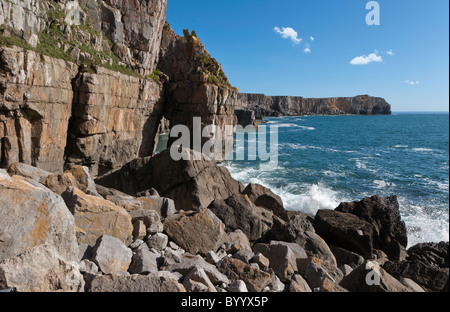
x,y
264,105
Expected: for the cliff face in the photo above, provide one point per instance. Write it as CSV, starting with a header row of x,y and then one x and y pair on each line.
x,y
88,82
196,85
296,106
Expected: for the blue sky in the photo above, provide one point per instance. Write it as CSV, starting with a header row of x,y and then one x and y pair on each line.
x,y
407,55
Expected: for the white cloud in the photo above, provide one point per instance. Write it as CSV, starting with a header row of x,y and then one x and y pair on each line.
x,y
289,33
412,83
311,38
390,53
307,50
367,59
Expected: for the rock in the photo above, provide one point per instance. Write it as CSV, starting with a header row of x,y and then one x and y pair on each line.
x,y
40,269
152,283
28,171
282,259
111,255
313,272
345,230
188,262
158,241
298,284
237,287
244,255
150,219
369,277
255,280
429,277
261,260
84,252
329,286
275,286
384,215
32,215
95,216
263,197
298,224
431,254
239,237
212,258
409,283
162,206
198,275
380,256
139,230
196,232
395,251
345,257
87,266
315,246
190,183
238,213
144,262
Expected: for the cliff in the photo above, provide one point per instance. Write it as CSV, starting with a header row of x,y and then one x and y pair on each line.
x,y
89,82
264,105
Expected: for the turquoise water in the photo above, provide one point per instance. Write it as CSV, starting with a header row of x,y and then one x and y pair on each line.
x,y
325,160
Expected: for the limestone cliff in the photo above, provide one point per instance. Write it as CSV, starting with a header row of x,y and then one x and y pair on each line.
x,y
264,105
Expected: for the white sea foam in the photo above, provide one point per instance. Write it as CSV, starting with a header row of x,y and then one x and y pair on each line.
x,y
291,125
380,184
422,149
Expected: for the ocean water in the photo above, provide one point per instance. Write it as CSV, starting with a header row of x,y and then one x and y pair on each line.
x,y
326,160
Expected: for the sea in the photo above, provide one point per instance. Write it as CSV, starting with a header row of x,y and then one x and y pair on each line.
x,y
325,160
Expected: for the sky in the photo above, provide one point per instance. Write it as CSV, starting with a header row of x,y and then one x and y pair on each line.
x,y
327,48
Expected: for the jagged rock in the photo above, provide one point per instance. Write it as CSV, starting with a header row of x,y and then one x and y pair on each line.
x,y
345,257
239,237
32,215
28,171
76,177
188,262
264,105
144,262
190,183
212,258
282,259
345,230
40,269
346,269
429,277
409,283
139,229
244,255
154,283
111,255
395,251
195,276
95,216
196,232
369,277
431,253
298,284
149,218
255,280
238,213
313,271
158,241
384,215
263,197
275,286
163,206
237,287
261,260
87,266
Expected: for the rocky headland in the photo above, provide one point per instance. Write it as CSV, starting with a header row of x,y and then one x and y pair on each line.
x,y
86,87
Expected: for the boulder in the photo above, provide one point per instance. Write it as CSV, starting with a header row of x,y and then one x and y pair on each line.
x,y
370,277
238,237
160,282
345,257
76,177
111,255
95,216
237,287
384,215
255,279
345,230
395,251
313,271
28,171
187,262
238,213
32,215
264,197
163,206
158,241
315,246
196,232
195,276
190,183
298,284
41,269
144,262
431,254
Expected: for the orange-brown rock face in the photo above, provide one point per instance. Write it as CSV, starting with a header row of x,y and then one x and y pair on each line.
x,y
35,107
115,119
